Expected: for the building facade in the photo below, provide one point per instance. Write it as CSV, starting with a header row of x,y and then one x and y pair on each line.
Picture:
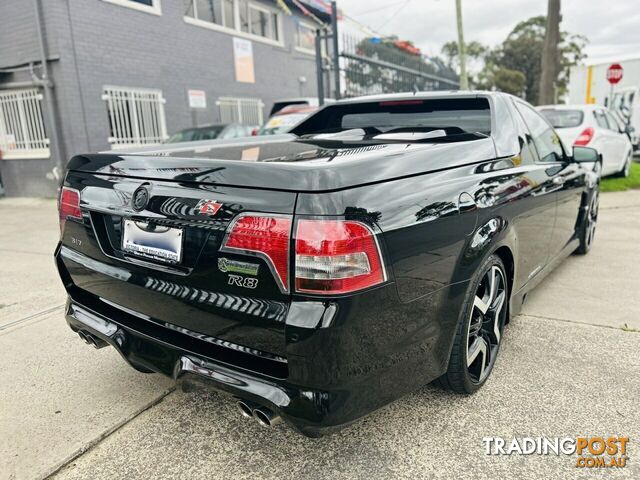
x,y
126,73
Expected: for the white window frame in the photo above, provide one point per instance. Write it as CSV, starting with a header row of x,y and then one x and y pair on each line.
x,y
154,9
22,128
235,29
237,103
133,124
311,51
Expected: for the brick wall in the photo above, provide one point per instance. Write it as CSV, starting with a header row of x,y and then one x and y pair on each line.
x,y
100,43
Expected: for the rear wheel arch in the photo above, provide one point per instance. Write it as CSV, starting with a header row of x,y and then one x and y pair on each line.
x,y
506,255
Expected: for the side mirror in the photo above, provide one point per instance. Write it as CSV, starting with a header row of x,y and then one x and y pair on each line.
x,y
586,155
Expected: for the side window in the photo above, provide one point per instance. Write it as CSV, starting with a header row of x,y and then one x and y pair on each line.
x,y
600,119
545,139
230,131
613,122
528,155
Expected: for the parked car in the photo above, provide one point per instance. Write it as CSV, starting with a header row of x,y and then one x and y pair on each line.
x,y
625,104
297,101
381,245
596,127
285,119
211,132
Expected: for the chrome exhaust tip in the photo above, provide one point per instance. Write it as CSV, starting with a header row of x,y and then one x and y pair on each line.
x,y
246,410
84,337
266,417
92,340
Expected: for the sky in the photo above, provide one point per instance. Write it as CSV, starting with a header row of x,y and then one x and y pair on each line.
x,y
612,26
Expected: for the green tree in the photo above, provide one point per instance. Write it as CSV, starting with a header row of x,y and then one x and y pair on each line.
x,y
474,50
515,65
522,52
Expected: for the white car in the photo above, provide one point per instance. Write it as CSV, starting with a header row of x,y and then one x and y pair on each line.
x,y
593,126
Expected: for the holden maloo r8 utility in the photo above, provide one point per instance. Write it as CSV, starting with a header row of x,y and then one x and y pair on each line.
x,y
318,275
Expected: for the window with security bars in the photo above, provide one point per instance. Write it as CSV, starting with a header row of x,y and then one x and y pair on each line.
x,y
136,116
22,131
247,111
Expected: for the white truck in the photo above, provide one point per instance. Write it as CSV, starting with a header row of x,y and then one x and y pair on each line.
x,y
588,84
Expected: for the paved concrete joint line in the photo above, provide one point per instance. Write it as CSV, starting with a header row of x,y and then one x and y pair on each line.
x,y
30,317
110,431
625,328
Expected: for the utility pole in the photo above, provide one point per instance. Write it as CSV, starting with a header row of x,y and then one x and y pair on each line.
x,y
47,84
550,58
464,79
335,48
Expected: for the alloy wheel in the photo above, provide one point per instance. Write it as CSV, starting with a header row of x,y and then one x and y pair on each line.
x,y
485,325
592,219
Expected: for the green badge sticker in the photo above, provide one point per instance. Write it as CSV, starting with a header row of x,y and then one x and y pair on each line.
x,y
234,266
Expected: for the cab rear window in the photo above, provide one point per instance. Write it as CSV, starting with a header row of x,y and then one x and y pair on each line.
x,y
462,115
563,118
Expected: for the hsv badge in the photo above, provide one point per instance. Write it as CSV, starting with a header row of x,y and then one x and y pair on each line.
x,y
208,207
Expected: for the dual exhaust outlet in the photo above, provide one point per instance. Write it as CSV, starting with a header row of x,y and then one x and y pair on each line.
x,y
92,339
264,416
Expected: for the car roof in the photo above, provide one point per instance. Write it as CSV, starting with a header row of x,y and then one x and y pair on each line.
x,y
422,95
204,127
587,107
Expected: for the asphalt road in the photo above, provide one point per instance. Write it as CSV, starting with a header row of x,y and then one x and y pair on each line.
x,y
569,366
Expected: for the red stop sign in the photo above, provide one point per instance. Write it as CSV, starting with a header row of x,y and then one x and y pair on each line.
x,y
614,73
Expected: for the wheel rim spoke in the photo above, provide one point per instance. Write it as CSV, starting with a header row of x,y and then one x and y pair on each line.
x,y
497,310
480,305
478,347
484,333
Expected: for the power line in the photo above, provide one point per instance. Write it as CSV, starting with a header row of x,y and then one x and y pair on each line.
x,y
395,14
381,8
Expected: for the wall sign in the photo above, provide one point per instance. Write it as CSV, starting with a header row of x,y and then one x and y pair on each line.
x,y
243,59
197,98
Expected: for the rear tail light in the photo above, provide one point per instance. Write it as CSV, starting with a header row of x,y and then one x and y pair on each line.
x,y
585,137
336,256
69,206
331,256
266,237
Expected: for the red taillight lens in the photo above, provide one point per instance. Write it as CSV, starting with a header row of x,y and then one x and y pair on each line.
x,y
336,256
69,206
264,236
585,137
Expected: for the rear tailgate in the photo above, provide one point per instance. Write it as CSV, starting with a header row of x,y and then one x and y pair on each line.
x,y
204,291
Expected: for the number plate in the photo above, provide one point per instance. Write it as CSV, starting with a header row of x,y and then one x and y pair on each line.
x,y
152,241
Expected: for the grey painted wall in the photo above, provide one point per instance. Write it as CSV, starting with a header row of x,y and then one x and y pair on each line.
x,y
99,43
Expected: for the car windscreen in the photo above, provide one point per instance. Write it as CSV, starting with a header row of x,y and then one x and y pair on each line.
x,y
563,118
194,134
457,115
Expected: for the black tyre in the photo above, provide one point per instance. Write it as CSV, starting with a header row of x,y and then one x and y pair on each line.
x,y
479,330
589,224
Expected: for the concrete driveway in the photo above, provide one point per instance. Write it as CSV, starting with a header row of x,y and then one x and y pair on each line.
x,y
569,366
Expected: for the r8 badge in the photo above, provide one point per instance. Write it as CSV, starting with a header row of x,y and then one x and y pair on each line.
x,y
244,282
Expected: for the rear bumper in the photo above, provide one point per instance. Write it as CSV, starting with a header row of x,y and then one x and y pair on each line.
x,y
344,359
303,409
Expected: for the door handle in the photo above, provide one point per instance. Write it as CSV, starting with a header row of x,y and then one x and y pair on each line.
x,y
558,180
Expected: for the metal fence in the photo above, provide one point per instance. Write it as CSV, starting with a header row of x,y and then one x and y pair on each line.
x,y
136,116
247,111
22,131
371,65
